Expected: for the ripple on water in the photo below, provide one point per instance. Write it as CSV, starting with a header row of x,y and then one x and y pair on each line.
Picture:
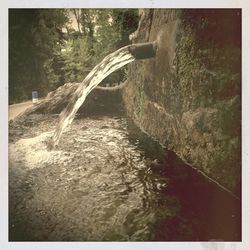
x,y
96,185
105,182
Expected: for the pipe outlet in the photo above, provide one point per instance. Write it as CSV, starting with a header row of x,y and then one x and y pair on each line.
x,y
143,50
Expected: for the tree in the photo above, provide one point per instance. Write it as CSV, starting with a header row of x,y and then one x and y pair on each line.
x,y
45,51
77,14
35,35
102,32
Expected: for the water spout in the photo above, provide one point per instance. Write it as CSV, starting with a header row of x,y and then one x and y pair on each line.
x,y
109,64
143,50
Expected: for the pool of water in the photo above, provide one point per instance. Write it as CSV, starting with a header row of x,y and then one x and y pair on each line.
x,y
108,181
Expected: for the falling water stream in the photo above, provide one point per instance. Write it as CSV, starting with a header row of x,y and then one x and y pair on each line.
x,y
107,180
109,64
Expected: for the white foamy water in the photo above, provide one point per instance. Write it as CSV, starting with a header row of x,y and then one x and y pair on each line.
x,y
109,64
105,182
33,151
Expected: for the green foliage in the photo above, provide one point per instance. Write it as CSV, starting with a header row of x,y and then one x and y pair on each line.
x,y
46,51
107,34
76,59
34,37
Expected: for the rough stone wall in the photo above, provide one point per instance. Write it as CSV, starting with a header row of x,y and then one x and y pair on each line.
x,y
189,96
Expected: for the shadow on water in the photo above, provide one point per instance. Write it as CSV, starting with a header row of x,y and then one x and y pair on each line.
x,y
206,213
108,181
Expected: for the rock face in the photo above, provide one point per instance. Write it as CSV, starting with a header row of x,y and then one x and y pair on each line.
x,y
189,96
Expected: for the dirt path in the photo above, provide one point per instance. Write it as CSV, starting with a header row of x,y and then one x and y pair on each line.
x,y
16,109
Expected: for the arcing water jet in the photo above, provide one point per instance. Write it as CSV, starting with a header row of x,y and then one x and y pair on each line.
x,y
109,64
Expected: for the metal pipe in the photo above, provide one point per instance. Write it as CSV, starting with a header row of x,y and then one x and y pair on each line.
x,y
143,50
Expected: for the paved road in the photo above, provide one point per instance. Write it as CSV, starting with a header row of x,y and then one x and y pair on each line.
x,y
16,109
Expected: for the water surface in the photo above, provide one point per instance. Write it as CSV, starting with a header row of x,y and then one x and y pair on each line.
x,y
108,181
